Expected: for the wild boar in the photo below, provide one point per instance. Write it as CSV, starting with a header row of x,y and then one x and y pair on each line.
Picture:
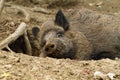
x,y
81,34
58,41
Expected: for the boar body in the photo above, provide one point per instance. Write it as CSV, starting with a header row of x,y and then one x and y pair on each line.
x,y
103,31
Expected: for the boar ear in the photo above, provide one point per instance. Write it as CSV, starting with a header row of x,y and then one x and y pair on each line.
x,y
61,20
35,31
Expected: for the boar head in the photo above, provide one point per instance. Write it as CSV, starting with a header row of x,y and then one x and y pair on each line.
x,y
52,38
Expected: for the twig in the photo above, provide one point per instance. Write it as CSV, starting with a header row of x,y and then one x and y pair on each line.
x,y
2,2
41,10
23,11
9,49
11,38
27,44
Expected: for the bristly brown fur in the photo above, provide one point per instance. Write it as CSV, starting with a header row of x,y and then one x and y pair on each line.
x,y
102,30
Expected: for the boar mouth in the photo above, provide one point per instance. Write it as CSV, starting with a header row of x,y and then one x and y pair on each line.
x,y
59,54
63,50
57,51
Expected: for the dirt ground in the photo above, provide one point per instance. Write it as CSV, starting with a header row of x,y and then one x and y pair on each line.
x,y
18,66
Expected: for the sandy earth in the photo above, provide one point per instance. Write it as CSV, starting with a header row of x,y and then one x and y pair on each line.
x,y
18,66
24,67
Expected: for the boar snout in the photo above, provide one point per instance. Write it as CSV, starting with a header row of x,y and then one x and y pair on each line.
x,y
53,46
49,48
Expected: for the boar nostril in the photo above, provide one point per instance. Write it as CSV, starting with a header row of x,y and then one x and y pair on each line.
x,y
52,46
46,49
49,47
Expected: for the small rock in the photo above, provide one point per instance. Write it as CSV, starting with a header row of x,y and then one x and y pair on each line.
x,y
100,3
8,66
91,4
100,76
4,75
111,76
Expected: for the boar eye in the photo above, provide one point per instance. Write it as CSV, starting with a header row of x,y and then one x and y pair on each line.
x,y
60,34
